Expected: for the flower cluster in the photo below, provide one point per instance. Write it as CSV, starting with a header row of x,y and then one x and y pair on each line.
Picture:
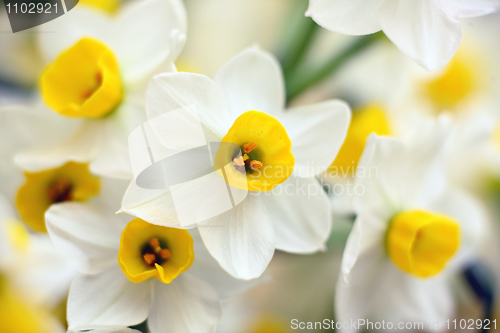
x,y
160,174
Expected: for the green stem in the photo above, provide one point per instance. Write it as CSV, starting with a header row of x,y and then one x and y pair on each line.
x,y
302,39
297,83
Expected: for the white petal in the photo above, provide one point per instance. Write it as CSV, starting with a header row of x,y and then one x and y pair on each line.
x,y
421,30
242,239
169,92
157,19
107,299
350,17
472,8
42,265
87,234
58,35
401,297
82,146
24,128
7,251
253,81
391,177
362,267
301,215
317,133
112,158
154,206
206,268
111,193
115,329
187,304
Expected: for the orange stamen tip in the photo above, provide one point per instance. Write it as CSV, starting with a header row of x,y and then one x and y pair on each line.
x,y
256,165
249,147
149,258
164,253
239,161
155,243
245,157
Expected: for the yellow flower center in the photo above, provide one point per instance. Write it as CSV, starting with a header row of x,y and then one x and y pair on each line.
x,y
70,182
366,120
84,81
421,243
148,250
261,151
109,6
453,85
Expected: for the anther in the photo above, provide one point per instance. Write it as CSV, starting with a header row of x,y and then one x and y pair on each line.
x,y
149,258
255,165
249,147
164,254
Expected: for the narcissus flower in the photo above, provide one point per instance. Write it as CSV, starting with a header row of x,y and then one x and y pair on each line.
x,y
412,234
34,277
98,66
273,156
32,193
133,270
428,31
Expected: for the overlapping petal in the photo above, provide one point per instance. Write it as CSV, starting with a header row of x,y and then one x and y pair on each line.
x,y
107,299
188,304
252,80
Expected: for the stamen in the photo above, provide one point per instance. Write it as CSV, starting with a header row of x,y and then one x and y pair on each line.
x,y
255,165
153,253
249,147
164,253
155,244
150,259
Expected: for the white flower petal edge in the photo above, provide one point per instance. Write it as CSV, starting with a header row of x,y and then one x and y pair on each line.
x,y
205,267
169,92
351,17
107,299
188,303
317,132
107,330
473,8
414,180
252,80
242,239
102,143
428,31
85,233
301,215
421,30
